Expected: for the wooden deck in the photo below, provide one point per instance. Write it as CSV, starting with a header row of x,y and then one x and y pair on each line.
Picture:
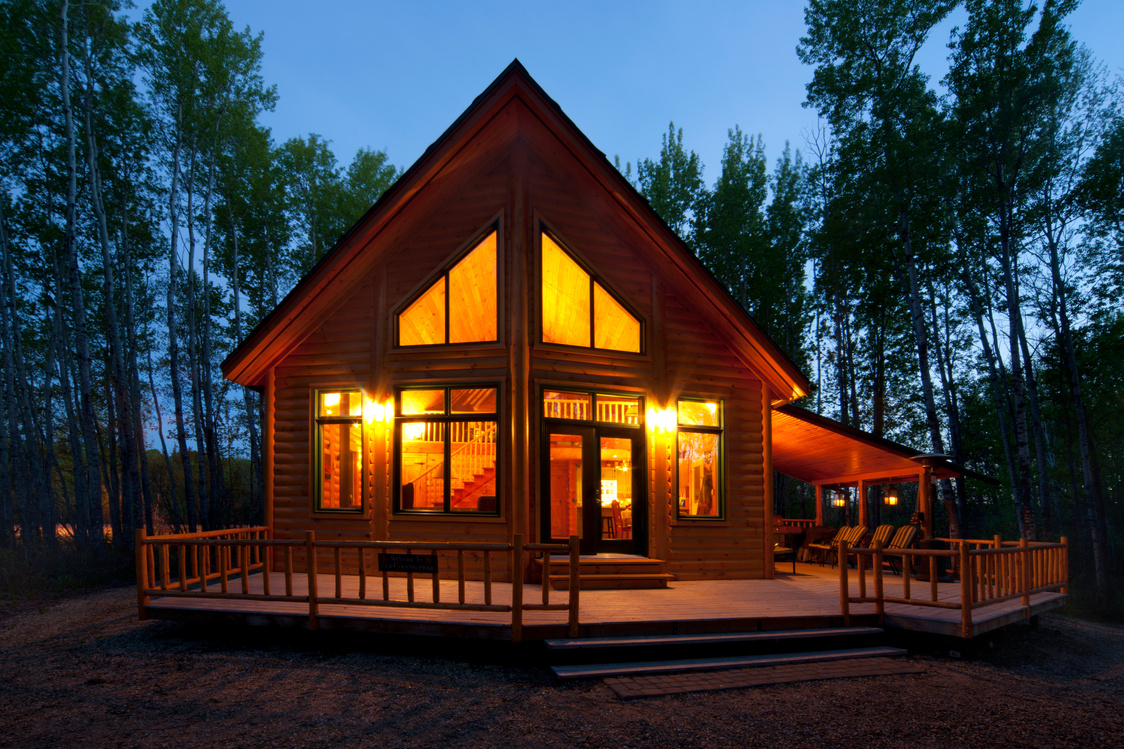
x,y
809,598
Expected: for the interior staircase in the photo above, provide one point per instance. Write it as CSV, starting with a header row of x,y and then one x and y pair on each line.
x,y
683,654
609,572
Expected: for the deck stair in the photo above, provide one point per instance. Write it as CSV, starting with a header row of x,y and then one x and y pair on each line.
x,y
609,572
630,656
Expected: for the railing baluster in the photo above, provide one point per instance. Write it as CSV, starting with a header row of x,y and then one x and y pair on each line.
x,y
165,579
183,566
362,573
223,566
436,578
244,563
545,577
460,575
288,571
488,578
339,577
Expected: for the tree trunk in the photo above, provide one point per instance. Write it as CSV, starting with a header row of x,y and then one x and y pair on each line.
x,y
173,339
94,530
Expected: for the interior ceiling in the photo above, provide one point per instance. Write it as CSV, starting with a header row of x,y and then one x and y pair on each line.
x,y
819,450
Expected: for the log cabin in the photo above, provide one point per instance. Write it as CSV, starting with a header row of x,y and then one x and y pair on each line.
x,y
512,342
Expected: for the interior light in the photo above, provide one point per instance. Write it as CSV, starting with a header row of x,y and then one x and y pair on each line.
x,y
413,431
331,399
712,407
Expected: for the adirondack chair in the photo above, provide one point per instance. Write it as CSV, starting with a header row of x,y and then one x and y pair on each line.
x,y
820,550
853,537
881,533
903,539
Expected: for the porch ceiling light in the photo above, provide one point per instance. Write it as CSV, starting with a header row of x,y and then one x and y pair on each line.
x,y
839,500
891,497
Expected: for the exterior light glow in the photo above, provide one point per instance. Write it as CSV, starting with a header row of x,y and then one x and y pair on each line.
x,y
373,412
650,419
840,500
669,419
388,411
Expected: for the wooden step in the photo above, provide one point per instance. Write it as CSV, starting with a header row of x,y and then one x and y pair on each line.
x,y
596,643
609,572
601,670
624,581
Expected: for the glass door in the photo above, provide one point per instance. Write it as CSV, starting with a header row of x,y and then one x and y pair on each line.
x,y
593,486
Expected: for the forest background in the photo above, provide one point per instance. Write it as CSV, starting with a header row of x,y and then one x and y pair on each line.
x,y
946,262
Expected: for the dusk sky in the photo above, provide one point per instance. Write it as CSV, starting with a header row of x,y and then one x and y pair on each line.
x,y
394,75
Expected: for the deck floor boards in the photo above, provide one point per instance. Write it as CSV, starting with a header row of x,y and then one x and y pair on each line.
x,y
812,594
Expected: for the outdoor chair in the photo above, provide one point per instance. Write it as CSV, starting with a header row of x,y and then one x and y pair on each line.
x,y
821,549
780,552
881,533
903,539
853,537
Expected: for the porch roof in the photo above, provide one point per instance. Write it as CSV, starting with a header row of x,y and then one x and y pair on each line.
x,y
821,451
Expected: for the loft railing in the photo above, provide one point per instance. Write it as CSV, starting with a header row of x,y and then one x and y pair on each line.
x,y
236,565
990,572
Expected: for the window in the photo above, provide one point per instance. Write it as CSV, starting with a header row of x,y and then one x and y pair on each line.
x,y
339,451
609,409
699,442
460,306
577,310
446,450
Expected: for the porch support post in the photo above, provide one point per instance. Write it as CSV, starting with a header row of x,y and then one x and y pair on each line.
x,y
770,501
310,569
575,586
925,498
967,585
863,520
268,442
819,505
142,575
517,588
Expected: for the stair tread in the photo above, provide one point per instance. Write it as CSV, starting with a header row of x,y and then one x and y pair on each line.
x,y
599,670
618,576
559,560
592,643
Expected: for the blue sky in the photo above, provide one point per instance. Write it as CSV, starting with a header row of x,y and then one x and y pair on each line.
x,y
394,75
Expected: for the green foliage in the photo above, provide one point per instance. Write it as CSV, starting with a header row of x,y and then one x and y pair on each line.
x,y
673,185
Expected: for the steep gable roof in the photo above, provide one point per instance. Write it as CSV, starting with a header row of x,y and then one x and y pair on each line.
x,y
297,315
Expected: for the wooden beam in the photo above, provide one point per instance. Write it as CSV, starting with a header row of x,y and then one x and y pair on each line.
x,y
769,502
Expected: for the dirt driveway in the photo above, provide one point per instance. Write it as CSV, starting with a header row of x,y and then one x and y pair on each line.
x,y
86,672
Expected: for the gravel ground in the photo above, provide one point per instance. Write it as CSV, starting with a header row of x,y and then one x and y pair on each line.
x,y
86,672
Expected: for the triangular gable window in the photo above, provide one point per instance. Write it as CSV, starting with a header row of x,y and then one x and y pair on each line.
x,y
459,307
577,310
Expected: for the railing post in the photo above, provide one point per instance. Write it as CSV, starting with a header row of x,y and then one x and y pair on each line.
x,y
142,574
1064,566
844,586
517,588
965,592
310,568
879,601
575,584
1024,578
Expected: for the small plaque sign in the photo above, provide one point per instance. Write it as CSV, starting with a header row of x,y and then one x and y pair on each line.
x,y
423,563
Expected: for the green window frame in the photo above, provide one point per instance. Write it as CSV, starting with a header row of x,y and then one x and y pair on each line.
x,y
340,460
699,465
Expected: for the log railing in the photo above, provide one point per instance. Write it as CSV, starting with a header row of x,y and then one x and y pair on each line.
x,y
989,572
219,565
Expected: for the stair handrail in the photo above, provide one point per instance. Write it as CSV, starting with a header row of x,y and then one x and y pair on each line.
x,y
488,430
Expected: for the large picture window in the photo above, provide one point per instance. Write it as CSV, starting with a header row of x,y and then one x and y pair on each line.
x,y
460,306
446,450
699,441
577,310
339,451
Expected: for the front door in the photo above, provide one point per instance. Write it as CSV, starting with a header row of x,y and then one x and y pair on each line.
x,y
593,487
